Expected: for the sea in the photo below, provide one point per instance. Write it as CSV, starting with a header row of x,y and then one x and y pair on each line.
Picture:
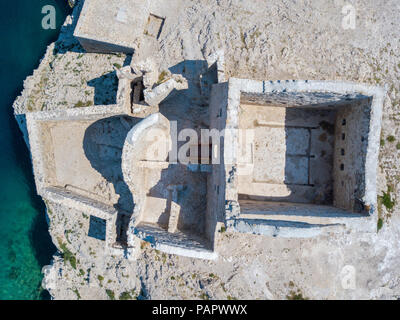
x,y
25,243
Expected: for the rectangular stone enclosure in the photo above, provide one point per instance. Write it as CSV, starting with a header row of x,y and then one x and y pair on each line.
x,y
301,152
305,153
112,26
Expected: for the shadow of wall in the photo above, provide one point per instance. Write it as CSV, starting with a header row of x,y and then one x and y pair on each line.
x,y
191,197
309,140
105,89
68,42
102,144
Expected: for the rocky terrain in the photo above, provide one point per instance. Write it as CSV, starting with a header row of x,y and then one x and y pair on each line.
x,y
265,40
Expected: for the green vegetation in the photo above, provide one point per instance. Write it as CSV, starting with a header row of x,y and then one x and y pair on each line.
x,y
81,104
204,296
144,244
380,224
223,287
391,138
110,294
100,278
162,77
117,65
92,252
387,200
77,293
67,255
389,203
34,98
398,146
296,295
127,295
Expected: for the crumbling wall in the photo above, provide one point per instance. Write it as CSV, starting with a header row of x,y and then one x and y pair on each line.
x,y
351,143
89,206
216,180
42,150
136,155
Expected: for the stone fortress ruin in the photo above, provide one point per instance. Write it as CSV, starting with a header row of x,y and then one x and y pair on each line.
x,y
311,161
293,159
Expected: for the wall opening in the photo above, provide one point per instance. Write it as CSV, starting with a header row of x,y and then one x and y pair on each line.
x,y
97,228
154,26
137,92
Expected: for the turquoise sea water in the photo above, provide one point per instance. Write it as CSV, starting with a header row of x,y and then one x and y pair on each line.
x,y
25,244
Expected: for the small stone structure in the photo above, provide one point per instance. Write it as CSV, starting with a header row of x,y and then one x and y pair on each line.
x,y
117,25
74,165
169,198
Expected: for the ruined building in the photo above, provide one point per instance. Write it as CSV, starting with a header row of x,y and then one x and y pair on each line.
x,y
292,159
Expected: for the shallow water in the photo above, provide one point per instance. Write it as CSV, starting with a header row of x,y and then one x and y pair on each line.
x,y
25,245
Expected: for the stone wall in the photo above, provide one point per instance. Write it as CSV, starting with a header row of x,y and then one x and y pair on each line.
x,y
216,180
136,150
41,147
351,143
97,34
